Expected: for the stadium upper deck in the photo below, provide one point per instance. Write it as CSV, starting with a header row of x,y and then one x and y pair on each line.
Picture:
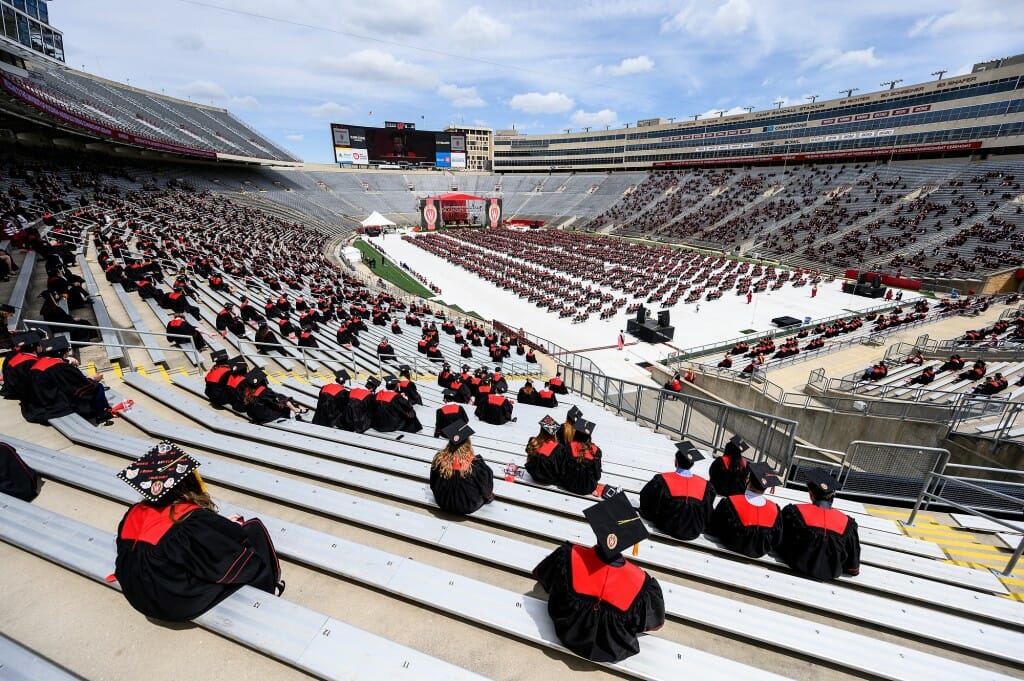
x,y
979,112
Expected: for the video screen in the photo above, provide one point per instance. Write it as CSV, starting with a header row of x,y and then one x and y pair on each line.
x,y
360,145
390,145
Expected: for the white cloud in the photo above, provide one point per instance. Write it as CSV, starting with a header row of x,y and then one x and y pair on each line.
x,y
832,58
295,137
246,102
701,18
328,110
462,97
190,42
974,16
713,113
535,102
479,28
595,119
640,64
377,66
480,123
203,89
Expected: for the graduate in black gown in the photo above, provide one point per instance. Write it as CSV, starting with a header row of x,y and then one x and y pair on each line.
x,y
460,479
544,455
448,413
392,411
679,503
216,389
18,364
357,416
179,326
16,477
598,601
819,541
330,404
728,473
498,383
407,387
749,523
176,557
581,467
493,409
527,394
263,405
57,387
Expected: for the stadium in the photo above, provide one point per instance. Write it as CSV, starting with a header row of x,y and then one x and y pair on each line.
x,y
814,280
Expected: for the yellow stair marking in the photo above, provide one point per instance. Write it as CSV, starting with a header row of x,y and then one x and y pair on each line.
x,y
964,544
977,554
1016,596
902,513
142,370
91,368
163,372
117,371
1011,581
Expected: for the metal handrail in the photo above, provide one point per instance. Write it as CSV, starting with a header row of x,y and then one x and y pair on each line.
x,y
118,331
981,514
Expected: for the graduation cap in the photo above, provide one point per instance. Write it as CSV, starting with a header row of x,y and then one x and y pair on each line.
x,y
549,425
158,471
820,482
573,415
342,376
55,345
390,381
219,356
762,476
404,369
256,376
457,432
616,524
26,338
4,307
582,425
736,446
449,394
687,454
237,361
372,383
465,367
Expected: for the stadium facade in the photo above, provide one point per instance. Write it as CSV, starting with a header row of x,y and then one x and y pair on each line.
x,y
978,113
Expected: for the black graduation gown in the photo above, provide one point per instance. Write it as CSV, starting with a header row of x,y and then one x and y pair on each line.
x,y
357,415
580,471
599,608
444,379
494,409
410,391
177,572
545,465
821,543
499,384
463,493
330,404
57,389
393,412
266,406
725,481
448,414
16,477
462,394
545,398
216,388
16,374
745,528
679,506
523,397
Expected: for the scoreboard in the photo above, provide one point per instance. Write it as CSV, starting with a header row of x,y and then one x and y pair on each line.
x,y
397,143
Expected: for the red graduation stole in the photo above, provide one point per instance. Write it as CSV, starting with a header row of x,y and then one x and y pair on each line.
x,y
754,516
828,519
678,486
591,576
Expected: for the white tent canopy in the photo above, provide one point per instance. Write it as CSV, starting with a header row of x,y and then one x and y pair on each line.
x,y
376,220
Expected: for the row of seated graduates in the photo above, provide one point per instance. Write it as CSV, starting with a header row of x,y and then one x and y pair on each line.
x,y
482,388
582,257
994,332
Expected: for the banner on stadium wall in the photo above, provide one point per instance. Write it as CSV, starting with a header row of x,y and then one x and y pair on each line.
x,y
53,109
493,213
458,160
347,156
853,153
888,280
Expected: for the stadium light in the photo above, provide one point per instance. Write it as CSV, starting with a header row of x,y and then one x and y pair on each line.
x,y
748,109
568,130
720,112
672,119
778,104
891,83
813,98
695,116
939,74
849,91
587,129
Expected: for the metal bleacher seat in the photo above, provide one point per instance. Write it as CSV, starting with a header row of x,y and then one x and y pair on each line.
x,y
792,633
18,663
111,341
156,355
20,289
296,635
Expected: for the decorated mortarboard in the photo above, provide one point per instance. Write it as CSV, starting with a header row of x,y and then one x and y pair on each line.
x,y
372,383
736,445
4,307
30,338
341,376
762,476
158,471
55,344
687,451
616,524
457,432
573,415
219,356
582,425
820,480
549,425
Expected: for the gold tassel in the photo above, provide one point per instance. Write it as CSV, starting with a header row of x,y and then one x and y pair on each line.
x,y
636,550
202,485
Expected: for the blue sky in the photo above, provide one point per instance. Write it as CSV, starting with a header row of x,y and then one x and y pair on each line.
x,y
289,69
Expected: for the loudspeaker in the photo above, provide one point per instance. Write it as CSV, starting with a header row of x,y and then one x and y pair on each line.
x,y
663,318
641,315
877,281
861,278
